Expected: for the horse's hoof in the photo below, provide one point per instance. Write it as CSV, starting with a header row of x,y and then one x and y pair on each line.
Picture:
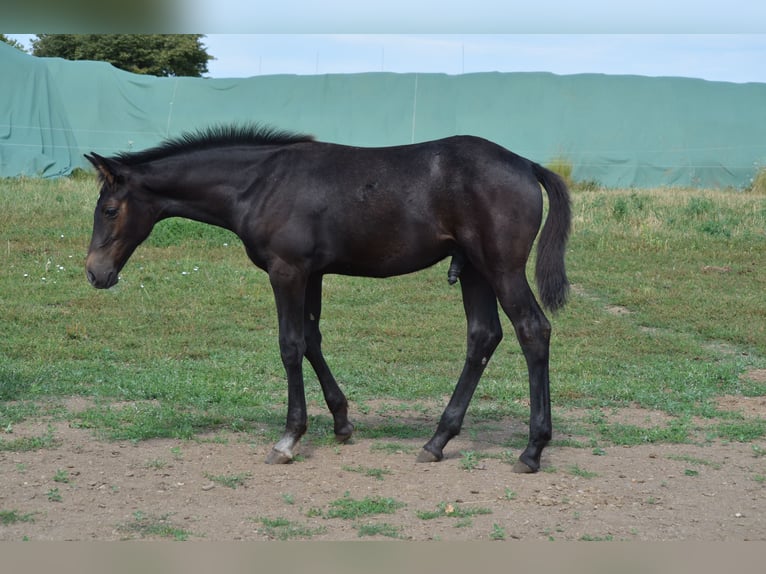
x,y
428,456
342,438
278,457
523,468
345,434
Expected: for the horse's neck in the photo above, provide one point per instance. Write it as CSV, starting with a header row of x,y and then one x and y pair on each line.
x,y
206,201
205,191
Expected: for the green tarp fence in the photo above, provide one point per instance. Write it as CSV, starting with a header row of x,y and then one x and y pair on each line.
x,y
619,131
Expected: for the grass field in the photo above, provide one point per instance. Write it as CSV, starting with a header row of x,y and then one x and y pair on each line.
x,y
667,313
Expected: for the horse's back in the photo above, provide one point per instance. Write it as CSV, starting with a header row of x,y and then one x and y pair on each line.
x,y
393,210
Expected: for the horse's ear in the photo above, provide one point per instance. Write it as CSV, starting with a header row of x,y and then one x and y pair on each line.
x,y
109,169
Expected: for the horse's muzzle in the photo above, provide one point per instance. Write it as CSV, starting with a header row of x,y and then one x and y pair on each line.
x,y
102,280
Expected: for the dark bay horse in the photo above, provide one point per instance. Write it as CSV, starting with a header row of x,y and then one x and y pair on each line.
x,y
304,208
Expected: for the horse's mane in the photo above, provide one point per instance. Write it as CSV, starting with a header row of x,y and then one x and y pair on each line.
x,y
216,136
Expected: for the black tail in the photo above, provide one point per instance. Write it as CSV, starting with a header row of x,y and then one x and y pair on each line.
x,y
550,271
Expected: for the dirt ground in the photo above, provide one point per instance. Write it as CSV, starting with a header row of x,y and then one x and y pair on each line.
x,y
88,489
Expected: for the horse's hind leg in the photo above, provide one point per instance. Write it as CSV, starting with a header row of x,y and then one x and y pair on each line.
x,y
334,397
484,334
533,332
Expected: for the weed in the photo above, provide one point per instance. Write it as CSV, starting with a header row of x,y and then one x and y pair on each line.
x,y
498,532
383,529
283,529
377,473
623,434
148,525
694,460
620,209
691,472
392,448
54,495
563,167
575,470
697,206
156,464
586,185
469,460
715,228
61,476
13,516
591,538
26,444
16,413
451,510
229,480
288,498
744,431
349,508
758,185
510,494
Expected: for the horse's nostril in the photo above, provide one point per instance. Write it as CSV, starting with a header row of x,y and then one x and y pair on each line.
x,y
91,277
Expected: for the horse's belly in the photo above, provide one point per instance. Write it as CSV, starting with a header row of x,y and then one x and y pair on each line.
x,y
389,258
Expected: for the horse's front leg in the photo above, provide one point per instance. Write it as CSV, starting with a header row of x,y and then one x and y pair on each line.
x,y
289,286
334,397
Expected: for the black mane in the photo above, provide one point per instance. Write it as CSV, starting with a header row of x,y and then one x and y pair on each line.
x,y
217,136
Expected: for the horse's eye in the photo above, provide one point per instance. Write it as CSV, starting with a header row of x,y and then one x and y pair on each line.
x,y
111,212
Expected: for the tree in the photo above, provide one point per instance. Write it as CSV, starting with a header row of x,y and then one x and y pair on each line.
x,y
11,42
153,54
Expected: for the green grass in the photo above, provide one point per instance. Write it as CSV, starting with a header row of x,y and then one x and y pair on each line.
x,y
62,476
283,529
29,443
576,470
8,517
229,480
377,473
452,511
187,342
392,447
383,529
469,460
759,182
54,495
694,460
152,526
349,508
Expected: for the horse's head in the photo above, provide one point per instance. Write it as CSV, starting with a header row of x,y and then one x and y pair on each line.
x,y
122,220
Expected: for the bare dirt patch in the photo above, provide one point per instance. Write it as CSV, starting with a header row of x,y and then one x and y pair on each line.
x,y
746,406
756,375
82,488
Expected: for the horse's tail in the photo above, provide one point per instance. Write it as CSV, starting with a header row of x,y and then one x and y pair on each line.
x,y
550,271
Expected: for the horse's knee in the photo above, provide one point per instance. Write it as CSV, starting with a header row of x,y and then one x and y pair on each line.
x,y
292,351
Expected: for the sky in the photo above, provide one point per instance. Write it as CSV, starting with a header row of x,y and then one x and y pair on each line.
x,y
712,40
731,58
